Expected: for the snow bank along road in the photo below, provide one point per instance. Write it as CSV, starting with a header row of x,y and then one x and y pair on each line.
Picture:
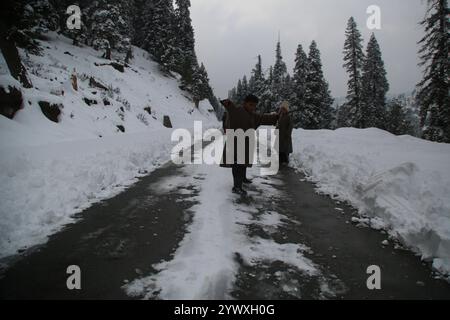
x,y
180,234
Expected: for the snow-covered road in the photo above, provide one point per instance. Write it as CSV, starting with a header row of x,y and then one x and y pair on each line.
x,y
205,266
180,233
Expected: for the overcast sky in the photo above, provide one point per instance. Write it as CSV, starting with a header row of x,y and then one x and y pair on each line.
x,y
231,33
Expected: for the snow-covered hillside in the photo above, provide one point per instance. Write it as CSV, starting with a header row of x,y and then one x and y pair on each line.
x,y
109,132
401,184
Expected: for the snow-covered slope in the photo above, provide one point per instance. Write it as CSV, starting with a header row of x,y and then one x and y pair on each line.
x,y
401,183
49,170
124,102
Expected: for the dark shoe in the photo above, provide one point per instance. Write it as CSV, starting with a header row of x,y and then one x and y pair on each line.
x,y
247,181
239,191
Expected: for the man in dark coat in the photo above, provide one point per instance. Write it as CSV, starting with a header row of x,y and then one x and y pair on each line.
x,y
244,118
285,128
224,121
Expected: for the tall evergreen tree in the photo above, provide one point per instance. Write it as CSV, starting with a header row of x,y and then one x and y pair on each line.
x,y
245,88
159,30
258,82
186,58
374,87
278,77
201,89
301,70
353,60
317,113
433,93
239,92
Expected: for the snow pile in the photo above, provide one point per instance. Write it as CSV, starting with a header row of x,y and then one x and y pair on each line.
x,y
51,170
42,187
401,183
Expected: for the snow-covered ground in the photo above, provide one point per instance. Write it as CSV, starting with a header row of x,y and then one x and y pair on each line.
x,y
401,183
49,171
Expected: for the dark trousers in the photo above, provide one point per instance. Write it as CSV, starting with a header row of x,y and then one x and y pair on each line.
x,y
284,158
239,172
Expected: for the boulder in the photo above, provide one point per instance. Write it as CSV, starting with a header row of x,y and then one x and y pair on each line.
x,y
51,111
96,84
166,122
10,101
89,102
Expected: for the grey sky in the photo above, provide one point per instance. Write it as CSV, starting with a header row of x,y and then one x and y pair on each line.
x,y
231,33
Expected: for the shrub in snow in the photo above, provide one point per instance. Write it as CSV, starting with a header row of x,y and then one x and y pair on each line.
x,y
142,118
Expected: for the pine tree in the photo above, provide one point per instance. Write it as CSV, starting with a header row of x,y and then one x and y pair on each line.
x,y
257,85
159,30
24,21
108,29
232,95
374,87
301,70
245,88
239,92
201,89
353,60
184,51
397,122
288,89
433,90
317,112
278,78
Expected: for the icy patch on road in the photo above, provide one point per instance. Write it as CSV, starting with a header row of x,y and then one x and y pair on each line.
x,y
268,250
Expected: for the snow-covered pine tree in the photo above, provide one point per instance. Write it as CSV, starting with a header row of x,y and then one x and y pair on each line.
x,y
268,96
245,88
288,91
396,120
278,78
257,79
184,46
260,86
353,60
108,27
433,90
78,36
200,87
24,21
239,92
160,32
374,87
317,112
232,95
299,85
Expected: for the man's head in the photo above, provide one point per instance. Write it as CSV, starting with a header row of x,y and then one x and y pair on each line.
x,y
250,103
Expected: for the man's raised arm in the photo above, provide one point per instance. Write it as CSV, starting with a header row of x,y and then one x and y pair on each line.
x,y
228,104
